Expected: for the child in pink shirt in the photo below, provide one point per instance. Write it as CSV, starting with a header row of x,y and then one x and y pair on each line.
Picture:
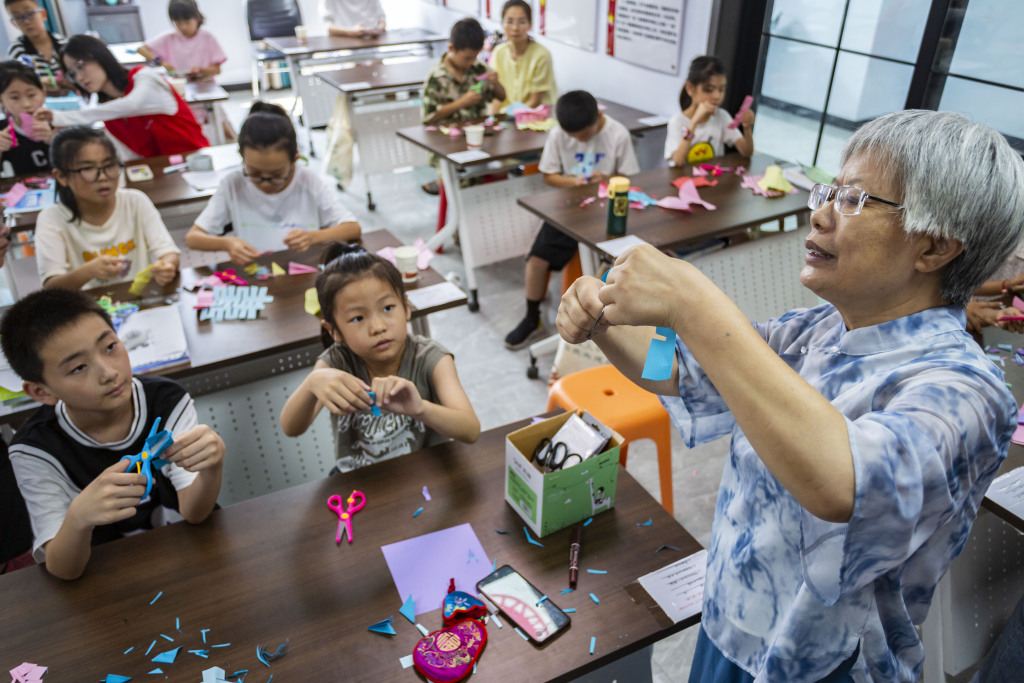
x,y
189,49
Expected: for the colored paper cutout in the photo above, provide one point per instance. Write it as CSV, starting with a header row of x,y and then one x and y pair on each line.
x,y
15,194
277,270
138,285
418,511
567,590
422,629
687,195
773,180
594,598
161,592
27,673
497,622
204,298
384,627
423,566
374,409
300,268
205,654
148,649
230,277
157,670
530,538
658,364
426,493
649,522
596,571
266,656
752,182
312,302
593,642
747,101
167,657
409,609
666,547
236,303
589,520
114,678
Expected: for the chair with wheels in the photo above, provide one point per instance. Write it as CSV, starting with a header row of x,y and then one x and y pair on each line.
x,y
616,402
266,19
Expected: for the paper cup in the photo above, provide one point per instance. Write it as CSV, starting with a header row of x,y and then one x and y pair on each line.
x,y
406,258
474,136
300,33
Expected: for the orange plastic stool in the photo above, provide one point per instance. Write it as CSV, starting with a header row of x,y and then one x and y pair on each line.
x,y
633,412
572,271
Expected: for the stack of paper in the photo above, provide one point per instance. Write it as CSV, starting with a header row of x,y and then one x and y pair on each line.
x,y
155,338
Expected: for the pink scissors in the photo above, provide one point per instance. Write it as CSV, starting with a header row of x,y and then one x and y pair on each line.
x,y
345,514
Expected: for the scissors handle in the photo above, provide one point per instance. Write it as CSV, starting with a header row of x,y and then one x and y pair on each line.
x,y
356,501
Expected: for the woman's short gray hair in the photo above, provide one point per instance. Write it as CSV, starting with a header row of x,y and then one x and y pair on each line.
x,y
955,179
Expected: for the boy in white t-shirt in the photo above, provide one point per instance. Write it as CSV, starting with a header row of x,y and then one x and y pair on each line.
x,y
586,147
271,203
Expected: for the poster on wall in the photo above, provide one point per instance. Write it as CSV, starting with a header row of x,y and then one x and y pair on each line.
x,y
646,32
573,22
471,7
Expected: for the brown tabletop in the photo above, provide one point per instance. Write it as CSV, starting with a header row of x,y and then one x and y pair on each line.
x,y
282,326
736,207
292,47
268,569
512,142
366,77
1015,376
164,190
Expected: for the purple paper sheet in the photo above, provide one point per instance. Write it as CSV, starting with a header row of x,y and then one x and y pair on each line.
x,y
423,565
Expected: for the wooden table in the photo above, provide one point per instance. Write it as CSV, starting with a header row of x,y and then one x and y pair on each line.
x,y
393,43
386,86
737,207
498,232
268,569
246,349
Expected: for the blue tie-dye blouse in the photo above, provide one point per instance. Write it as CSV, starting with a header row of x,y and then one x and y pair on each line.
x,y
789,596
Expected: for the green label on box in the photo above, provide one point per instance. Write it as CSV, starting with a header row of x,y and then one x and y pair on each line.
x,y
522,494
579,492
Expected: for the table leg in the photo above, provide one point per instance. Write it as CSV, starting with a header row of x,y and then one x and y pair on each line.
x,y
293,71
420,326
451,226
218,123
454,192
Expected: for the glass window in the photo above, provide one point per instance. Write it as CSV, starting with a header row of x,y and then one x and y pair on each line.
x,y
990,45
797,73
998,107
887,29
864,87
814,20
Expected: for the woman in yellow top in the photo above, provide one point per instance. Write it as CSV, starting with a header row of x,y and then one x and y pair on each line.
x,y
523,65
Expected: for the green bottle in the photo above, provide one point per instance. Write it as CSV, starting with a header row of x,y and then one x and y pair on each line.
x,y
618,205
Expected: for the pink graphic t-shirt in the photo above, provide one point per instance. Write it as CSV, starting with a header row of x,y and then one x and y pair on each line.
x,y
183,53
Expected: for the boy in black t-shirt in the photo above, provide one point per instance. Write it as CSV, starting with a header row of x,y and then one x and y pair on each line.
x,y
24,143
67,456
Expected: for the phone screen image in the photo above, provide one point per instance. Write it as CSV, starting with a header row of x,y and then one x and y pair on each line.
x,y
517,600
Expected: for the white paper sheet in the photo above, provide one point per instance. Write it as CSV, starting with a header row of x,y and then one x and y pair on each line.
x,y
435,295
468,156
154,338
1008,491
358,85
655,120
678,588
205,180
616,246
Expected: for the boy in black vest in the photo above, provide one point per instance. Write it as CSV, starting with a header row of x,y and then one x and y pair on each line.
x,y
67,456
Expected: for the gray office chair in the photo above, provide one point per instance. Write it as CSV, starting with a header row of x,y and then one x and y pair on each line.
x,y
267,19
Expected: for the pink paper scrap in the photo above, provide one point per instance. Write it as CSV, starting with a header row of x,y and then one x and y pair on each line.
x,y
423,260
175,159
586,201
204,298
388,254
429,127
747,101
27,673
687,195
299,268
15,194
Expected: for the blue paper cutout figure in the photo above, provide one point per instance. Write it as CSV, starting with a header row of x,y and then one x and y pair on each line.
x,y
383,627
375,410
658,365
409,609
144,462
167,657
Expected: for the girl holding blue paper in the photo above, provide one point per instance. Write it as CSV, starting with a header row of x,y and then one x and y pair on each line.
x,y
865,431
388,392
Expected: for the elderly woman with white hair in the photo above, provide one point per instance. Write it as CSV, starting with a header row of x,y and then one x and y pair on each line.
x,y
865,431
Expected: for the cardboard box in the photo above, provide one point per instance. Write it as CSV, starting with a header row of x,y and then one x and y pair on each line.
x,y
553,501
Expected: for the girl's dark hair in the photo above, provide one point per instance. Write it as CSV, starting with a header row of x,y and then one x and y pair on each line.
x,y
64,148
12,70
521,4
268,125
344,264
91,49
701,71
183,10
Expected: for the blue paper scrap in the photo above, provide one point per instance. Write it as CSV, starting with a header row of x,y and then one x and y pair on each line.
x,y
167,657
530,538
569,609
593,642
156,598
383,626
587,523
167,637
542,599
418,511
497,623
130,649
596,571
205,654
567,590
177,624
523,635
658,365
494,564
266,656
236,303
594,598
150,647
501,531
222,645
409,609
649,522
375,409
666,547
114,678
157,670
204,632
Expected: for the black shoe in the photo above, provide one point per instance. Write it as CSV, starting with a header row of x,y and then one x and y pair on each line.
x,y
526,331
431,187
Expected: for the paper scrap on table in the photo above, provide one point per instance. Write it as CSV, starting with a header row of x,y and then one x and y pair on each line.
x,y
679,587
204,298
408,609
469,156
114,678
358,85
687,195
236,303
312,302
277,270
654,120
27,673
405,661
435,295
384,627
426,493
1008,491
616,247
138,285
167,657
300,268
774,181
422,566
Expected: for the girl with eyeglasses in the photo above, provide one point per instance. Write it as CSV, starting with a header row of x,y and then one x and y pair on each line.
x,y
97,233
523,65
140,109
271,203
